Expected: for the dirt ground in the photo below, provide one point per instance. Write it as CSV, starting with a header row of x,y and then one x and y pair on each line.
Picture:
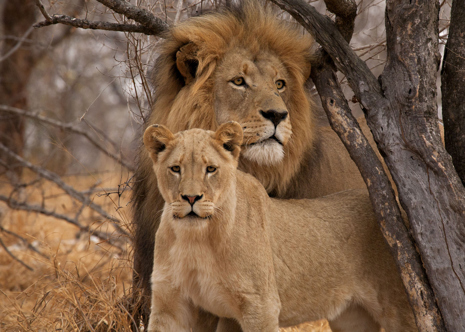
x,y
77,282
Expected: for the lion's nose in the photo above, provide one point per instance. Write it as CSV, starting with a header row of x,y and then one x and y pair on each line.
x,y
191,199
274,116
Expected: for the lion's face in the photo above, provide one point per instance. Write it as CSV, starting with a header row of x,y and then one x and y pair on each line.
x,y
249,68
252,90
194,168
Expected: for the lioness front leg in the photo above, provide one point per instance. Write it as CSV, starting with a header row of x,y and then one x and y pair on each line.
x,y
262,317
228,325
170,312
254,318
258,322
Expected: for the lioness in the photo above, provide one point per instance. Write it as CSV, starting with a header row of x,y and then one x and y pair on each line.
x,y
225,246
247,66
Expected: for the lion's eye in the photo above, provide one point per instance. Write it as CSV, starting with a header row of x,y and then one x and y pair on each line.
x,y
239,81
280,84
211,169
175,169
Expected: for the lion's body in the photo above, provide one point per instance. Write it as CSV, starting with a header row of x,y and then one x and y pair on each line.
x,y
198,63
263,262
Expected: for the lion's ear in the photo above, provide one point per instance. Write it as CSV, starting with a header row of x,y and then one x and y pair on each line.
x,y
156,137
230,137
187,61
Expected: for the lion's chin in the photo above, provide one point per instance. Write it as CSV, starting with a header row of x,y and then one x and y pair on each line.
x,y
266,153
191,216
191,222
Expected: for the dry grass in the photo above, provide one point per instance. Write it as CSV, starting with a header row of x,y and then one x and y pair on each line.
x,y
83,284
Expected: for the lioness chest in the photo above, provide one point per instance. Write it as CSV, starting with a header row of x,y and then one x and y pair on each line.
x,y
202,275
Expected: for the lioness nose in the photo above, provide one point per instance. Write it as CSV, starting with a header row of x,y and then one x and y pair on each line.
x,y
274,116
191,199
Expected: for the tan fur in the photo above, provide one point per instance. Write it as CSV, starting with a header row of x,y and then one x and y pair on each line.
x,y
259,261
193,85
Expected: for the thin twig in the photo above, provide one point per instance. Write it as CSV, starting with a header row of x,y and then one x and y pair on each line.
x,y
67,188
14,257
43,11
71,127
16,205
178,12
29,246
18,45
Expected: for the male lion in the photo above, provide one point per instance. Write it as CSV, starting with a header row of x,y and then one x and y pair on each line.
x,y
225,246
247,66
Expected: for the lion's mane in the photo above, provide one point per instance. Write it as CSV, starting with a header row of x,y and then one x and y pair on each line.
x,y
215,35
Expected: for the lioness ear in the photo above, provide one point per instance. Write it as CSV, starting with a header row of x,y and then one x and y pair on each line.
x,y
230,136
187,61
155,139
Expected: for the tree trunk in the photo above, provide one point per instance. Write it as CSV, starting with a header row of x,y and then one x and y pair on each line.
x,y
15,70
453,88
429,187
401,111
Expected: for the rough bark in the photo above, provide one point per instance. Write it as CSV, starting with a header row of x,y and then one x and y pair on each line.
x,y
14,76
381,193
429,187
402,114
453,88
137,14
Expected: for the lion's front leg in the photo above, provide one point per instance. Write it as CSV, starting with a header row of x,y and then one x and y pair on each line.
x,y
228,325
170,312
260,315
205,322
258,322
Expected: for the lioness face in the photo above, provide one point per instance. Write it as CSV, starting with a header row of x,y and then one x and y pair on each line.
x,y
194,167
252,91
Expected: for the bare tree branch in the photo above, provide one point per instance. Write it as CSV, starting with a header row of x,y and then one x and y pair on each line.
x,y
68,189
178,12
14,257
28,245
16,205
95,25
18,45
71,127
43,11
140,15
345,12
149,24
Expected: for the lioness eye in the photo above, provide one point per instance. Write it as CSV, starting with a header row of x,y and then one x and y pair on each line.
x,y
211,169
239,81
175,169
280,84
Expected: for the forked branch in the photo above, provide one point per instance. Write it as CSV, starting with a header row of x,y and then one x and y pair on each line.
x,y
65,187
21,206
149,24
94,25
